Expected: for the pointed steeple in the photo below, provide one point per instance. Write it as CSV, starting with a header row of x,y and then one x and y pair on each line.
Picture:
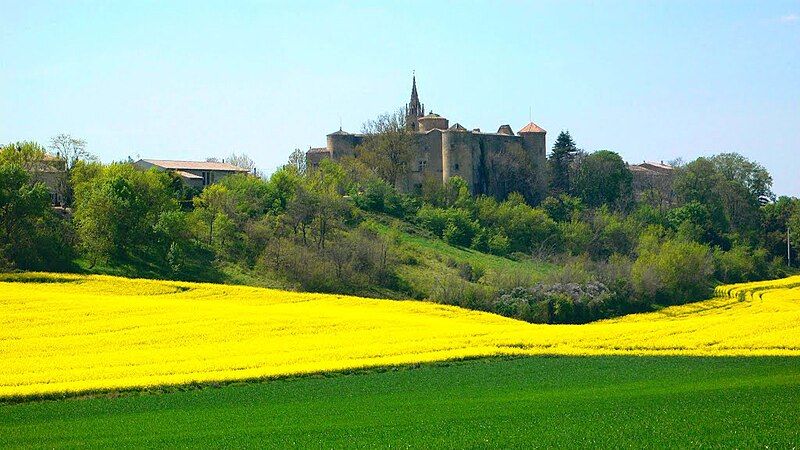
x,y
414,95
414,109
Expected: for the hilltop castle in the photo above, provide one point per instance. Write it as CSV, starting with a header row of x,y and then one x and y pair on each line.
x,y
444,151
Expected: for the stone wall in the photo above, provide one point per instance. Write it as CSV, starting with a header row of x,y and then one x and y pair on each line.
x,y
443,154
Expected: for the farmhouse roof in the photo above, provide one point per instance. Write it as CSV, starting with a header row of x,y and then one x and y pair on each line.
x,y
652,167
658,165
170,164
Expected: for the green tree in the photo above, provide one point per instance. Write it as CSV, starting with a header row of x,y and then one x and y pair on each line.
x,y
562,208
793,227
456,193
775,221
699,182
728,185
24,210
117,211
283,185
71,151
298,161
251,196
750,174
388,147
564,150
603,178
28,155
215,200
515,170
528,229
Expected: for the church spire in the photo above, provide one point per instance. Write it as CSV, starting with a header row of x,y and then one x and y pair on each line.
x,y
414,109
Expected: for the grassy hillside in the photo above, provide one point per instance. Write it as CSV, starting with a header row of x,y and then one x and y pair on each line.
x,y
423,261
71,333
614,402
426,260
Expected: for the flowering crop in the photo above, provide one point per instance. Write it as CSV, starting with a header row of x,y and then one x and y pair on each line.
x,y
73,333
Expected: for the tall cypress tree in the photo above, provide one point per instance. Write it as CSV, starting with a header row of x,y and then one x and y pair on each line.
x,y
563,151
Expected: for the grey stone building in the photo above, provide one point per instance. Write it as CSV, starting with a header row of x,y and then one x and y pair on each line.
x,y
443,150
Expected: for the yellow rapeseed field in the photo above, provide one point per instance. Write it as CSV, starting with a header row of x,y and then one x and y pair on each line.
x,y
72,333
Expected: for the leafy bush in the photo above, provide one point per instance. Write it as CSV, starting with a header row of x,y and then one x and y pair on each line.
x,y
379,196
458,292
741,263
454,225
555,303
576,237
499,244
672,271
563,208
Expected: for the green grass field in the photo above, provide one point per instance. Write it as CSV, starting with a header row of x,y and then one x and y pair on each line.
x,y
614,402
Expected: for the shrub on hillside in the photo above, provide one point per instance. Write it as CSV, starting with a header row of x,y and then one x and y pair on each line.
x,y
499,244
454,225
672,271
555,303
379,196
741,263
458,292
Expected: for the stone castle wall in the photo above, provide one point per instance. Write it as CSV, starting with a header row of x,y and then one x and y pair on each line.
x,y
443,154
442,151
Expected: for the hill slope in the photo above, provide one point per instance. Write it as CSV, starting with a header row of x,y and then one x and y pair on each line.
x,y
70,333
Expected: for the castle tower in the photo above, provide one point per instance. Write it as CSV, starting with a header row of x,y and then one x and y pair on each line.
x,y
534,141
414,109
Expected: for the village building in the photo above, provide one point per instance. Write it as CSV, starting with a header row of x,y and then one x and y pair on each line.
x,y
52,172
653,179
193,173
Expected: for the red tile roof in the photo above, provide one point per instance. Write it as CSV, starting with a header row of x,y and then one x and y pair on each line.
x,y
532,128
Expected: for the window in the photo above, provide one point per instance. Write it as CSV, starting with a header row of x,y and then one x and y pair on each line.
x,y
455,166
421,165
206,178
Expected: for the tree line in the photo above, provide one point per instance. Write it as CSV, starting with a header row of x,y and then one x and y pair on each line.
x,y
325,229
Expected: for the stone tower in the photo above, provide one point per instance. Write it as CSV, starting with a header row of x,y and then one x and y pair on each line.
x,y
534,141
414,109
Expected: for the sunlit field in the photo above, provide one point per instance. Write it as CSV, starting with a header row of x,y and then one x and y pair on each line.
x,y
72,333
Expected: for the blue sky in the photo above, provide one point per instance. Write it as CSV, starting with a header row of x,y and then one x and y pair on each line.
x,y
187,80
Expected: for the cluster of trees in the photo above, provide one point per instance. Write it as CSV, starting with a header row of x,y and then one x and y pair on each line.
x,y
641,250
297,226
318,229
31,235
